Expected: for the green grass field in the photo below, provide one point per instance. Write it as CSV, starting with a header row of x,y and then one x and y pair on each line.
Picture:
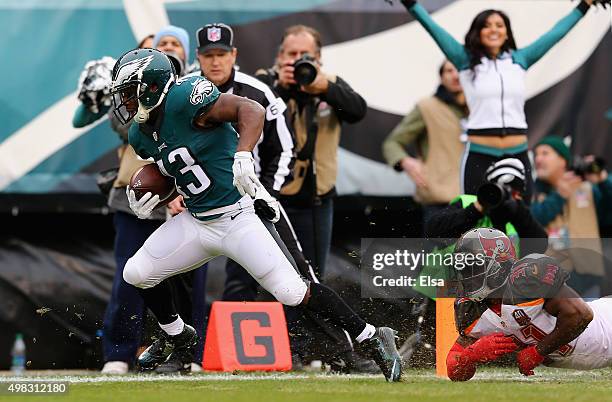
x,y
489,385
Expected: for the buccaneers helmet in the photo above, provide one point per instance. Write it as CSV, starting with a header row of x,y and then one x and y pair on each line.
x,y
141,80
483,258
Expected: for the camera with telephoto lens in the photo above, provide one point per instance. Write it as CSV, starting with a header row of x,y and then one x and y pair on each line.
x,y
583,166
491,195
305,70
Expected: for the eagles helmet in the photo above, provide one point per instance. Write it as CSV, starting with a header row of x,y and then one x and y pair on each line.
x,y
141,80
483,258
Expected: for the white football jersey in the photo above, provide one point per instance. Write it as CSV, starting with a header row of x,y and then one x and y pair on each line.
x,y
529,322
522,316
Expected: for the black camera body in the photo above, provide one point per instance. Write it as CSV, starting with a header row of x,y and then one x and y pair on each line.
x,y
305,70
583,166
491,195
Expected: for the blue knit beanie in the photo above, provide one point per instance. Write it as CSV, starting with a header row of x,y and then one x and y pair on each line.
x,y
178,33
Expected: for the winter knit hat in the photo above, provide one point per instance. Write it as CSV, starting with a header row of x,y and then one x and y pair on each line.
x,y
178,33
558,145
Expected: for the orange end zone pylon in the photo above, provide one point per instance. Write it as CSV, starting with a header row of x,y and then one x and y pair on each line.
x,y
446,333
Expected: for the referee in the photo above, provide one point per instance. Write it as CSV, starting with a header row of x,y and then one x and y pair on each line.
x,y
273,160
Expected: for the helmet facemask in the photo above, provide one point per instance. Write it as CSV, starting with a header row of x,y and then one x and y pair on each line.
x,y
484,276
125,100
483,260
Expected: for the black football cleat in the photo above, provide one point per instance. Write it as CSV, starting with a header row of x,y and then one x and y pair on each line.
x,y
350,362
155,354
382,349
183,349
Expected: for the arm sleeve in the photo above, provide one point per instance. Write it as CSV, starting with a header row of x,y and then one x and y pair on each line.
x,y
347,103
546,210
529,55
454,51
534,276
406,132
452,221
276,149
83,116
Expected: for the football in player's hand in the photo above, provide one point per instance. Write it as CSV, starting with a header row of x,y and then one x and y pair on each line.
x,y
149,178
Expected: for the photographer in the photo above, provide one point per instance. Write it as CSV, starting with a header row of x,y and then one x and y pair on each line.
x,y
499,205
318,103
569,202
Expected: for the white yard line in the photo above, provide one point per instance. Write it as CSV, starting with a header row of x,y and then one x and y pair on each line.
x,y
502,374
196,377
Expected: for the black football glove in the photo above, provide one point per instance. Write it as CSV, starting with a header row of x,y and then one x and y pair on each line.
x,y
263,210
266,206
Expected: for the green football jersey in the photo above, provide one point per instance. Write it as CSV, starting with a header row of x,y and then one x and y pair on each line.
x,y
199,160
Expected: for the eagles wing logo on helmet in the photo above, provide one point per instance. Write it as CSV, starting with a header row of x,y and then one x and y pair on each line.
x,y
500,246
128,70
201,89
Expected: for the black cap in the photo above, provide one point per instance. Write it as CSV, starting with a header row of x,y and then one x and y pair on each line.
x,y
215,36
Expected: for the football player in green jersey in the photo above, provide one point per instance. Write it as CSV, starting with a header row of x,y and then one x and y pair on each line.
x,y
185,127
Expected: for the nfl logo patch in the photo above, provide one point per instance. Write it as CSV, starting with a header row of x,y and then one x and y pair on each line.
x,y
214,34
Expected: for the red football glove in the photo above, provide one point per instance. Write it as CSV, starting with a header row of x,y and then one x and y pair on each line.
x,y
490,347
528,359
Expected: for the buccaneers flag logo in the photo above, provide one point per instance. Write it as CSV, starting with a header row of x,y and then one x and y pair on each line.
x,y
502,247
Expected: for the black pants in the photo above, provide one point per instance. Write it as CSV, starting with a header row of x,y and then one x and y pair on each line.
x,y
312,336
475,165
313,227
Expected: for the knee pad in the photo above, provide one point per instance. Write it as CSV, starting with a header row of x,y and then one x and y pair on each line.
x,y
290,293
133,272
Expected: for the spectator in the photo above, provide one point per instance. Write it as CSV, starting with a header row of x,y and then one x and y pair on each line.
x,y
318,110
146,42
435,125
173,40
569,205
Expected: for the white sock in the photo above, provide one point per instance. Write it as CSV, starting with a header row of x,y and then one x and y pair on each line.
x,y
367,333
175,327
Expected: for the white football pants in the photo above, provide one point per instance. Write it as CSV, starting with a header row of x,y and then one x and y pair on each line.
x,y
184,243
